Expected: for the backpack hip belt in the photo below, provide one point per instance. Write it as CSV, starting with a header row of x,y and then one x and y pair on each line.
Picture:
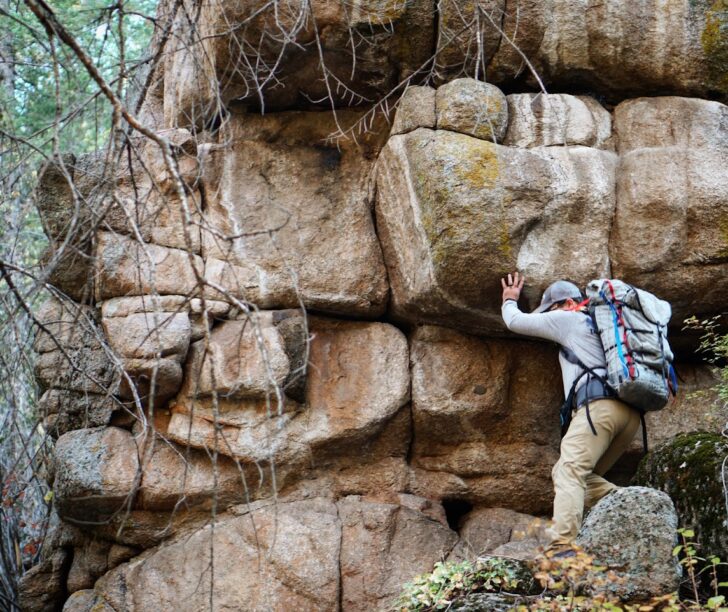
x,y
594,389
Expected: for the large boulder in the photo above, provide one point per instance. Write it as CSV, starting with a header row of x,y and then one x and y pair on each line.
x,y
670,227
292,550
689,468
288,219
632,532
485,417
455,213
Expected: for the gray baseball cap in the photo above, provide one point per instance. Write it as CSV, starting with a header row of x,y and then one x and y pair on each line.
x,y
558,292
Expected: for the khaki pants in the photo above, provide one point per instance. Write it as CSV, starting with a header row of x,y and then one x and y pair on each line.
x,y
584,459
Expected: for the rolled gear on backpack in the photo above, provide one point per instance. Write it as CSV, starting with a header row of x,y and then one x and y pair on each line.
x,y
632,326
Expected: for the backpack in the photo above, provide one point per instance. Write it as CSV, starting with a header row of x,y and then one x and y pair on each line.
x,y
632,326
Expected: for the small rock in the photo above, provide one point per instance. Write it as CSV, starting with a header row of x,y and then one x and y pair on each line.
x,y
473,108
416,108
486,602
487,530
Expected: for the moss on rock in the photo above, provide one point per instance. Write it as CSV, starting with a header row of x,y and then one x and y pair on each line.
x,y
689,469
714,40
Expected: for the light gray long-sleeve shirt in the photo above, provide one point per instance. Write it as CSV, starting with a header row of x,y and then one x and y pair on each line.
x,y
573,330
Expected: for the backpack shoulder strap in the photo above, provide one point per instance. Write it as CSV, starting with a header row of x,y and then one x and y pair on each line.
x,y
571,357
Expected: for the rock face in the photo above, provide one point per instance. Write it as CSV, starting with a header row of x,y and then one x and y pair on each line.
x,y
632,531
382,547
317,245
318,555
292,56
349,53
484,430
357,382
298,570
622,49
286,347
501,532
72,352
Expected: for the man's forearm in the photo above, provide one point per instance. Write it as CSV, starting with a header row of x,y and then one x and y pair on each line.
x,y
541,325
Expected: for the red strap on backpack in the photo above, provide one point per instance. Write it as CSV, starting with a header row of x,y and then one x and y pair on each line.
x,y
625,341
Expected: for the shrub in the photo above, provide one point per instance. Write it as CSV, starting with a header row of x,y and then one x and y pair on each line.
x,y
450,580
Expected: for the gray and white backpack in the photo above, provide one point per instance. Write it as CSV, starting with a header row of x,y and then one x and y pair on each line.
x,y
632,326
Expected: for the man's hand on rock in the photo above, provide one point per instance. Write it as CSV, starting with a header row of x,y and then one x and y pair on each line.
x,y
512,286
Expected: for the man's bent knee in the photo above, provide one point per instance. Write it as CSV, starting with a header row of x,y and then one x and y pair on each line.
x,y
570,471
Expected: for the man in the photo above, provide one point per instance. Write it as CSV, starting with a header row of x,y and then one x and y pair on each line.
x,y
601,428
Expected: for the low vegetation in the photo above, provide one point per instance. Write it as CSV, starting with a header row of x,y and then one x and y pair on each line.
x,y
548,584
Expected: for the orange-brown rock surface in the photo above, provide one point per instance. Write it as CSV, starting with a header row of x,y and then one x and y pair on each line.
x,y
276,372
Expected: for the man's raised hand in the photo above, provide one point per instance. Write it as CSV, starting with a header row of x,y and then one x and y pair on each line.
x,y
512,286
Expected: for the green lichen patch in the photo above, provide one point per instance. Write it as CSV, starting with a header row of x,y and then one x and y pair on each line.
x,y
457,182
714,40
689,469
380,12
